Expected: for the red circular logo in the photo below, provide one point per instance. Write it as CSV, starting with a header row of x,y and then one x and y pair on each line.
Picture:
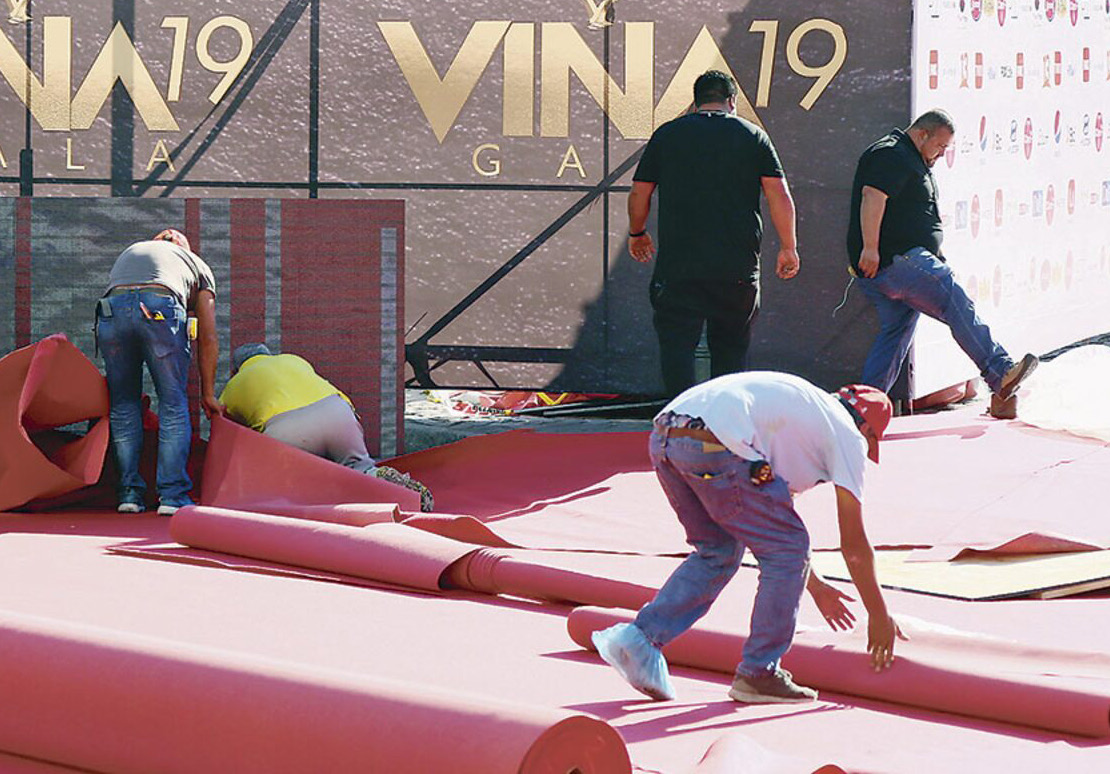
x,y
998,204
1050,204
1028,137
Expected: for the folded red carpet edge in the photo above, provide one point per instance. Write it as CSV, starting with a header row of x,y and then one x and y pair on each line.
x,y
102,700
46,385
975,691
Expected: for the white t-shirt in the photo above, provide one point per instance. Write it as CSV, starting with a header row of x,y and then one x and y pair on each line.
x,y
804,432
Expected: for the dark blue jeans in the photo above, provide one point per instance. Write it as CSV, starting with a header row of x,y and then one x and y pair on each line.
x,y
723,513
128,339
920,283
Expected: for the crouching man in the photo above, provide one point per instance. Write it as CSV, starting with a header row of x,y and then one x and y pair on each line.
x,y
284,398
730,454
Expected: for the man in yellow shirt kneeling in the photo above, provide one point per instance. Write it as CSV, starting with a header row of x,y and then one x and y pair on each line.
x,y
284,398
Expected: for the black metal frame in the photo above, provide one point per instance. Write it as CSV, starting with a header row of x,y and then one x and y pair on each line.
x,y
421,355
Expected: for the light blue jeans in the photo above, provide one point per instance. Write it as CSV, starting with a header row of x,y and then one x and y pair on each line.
x,y
920,283
128,340
723,513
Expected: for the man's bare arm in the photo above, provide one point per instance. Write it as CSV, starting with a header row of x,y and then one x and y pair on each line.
x,y
871,209
780,203
208,351
642,248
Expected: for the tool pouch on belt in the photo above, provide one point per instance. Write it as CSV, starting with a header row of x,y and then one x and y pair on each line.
x,y
103,309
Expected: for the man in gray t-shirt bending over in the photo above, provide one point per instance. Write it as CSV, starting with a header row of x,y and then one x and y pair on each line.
x,y
143,318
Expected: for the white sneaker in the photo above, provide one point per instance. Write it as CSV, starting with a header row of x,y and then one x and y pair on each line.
x,y
167,510
129,508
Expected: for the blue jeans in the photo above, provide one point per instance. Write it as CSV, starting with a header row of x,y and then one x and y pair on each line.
x,y
723,513
128,339
915,283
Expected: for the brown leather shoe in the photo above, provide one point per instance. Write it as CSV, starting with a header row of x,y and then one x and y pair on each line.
x,y
1017,374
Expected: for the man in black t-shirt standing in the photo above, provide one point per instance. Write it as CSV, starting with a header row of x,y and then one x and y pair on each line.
x,y
710,167
894,247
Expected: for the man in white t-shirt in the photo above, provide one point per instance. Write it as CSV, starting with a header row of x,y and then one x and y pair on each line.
x,y
730,454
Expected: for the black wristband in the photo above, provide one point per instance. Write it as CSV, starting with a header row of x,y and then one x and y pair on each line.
x,y
638,233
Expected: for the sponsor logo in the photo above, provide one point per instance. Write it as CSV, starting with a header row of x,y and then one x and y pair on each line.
x,y
975,216
1098,132
1046,274
1086,64
1058,124
1071,197
999,208
964,71
1073,12
1057,67
950,155
1050,204
1028,137
982,133
976,9
1050,9
1001,7
961,215
978,69
934,69
1019,71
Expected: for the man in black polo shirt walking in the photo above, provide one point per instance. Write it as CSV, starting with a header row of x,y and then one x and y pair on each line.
x,y
894,246
709,166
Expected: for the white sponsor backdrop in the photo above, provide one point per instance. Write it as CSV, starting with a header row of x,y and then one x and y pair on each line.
x,y
1025,191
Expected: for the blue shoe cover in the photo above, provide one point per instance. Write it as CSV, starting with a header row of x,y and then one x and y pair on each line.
x,y
625,648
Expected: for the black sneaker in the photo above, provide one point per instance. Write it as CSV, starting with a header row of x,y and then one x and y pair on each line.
x,y
777,687
1017,374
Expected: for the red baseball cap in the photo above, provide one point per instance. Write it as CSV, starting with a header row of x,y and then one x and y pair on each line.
x,y
868,405
173,235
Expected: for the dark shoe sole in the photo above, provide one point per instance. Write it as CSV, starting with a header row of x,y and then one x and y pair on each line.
x,y
762,698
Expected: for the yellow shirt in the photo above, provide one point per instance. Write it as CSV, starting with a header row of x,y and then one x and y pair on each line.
x,y
268,385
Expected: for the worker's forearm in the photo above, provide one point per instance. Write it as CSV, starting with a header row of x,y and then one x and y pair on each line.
x,y
861,567
784,217
639,206
871,218
208,353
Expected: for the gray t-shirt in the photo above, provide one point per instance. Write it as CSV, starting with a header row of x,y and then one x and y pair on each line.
x,y
163,263
803,431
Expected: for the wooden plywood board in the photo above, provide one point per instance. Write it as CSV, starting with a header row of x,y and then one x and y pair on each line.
x,y
981,577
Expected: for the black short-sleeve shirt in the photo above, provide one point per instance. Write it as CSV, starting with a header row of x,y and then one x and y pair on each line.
x,y
893,165
708,168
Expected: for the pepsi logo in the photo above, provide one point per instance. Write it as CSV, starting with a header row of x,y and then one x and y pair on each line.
x,y
983,133
1057,127
1050,204
998,207
1001,7
1071,196
1028,137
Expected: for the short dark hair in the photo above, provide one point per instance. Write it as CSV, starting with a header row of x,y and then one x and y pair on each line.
x,y
245,352
932,120
714,86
